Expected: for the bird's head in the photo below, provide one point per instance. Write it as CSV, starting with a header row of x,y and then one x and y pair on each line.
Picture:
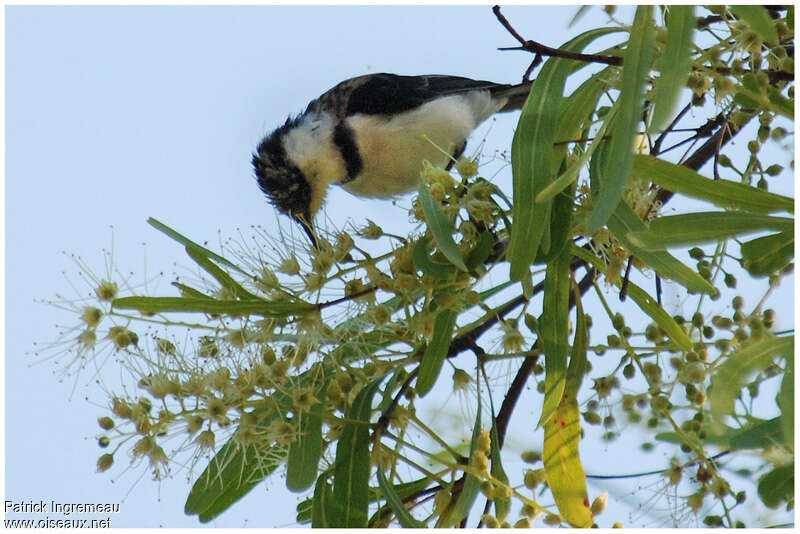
x,y
284,183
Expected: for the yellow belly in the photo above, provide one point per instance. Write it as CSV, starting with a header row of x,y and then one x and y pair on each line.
x,y
393,150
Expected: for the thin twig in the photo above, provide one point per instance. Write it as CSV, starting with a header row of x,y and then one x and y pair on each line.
x,y
543,50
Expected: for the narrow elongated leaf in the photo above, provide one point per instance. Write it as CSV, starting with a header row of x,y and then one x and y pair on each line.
x,y
427,265
761,435
758,19
675,62
702,227
188,291
436,351
780,103
554,327
304,453
441,228
229,476
777,486
636,66
560,226
321,503
396,503
772,100
211,306
729,377
562,464
785,400
758,435
571,173
225,280
402,490
769,254
235,470
625,224
166,230
502,505
480,252
351,470
722,193
459,509
645,302
532,155
577,108
580,346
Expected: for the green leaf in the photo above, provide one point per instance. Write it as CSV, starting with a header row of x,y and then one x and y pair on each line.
x,y
761,435
577,108
480,252
571,173
625,225
232,473
580,346
225,280
425,263
729,377
769,254
351,470
304,511
758,435
785,400
777,486
562,463
636,66
304,453
722,193
212,306
560,225
235,470
458,510
645,302
779,103
702,227
436,351
675,62
441,228
188,291
554,327
322,502
396,504
532,155
759,21
502,505
772,100
166,230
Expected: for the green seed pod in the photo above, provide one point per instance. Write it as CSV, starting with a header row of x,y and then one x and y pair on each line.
x,y
629,371
106,423
774,170
104,462
592,418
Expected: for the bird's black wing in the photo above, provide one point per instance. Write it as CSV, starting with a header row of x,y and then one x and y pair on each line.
x,y
388,94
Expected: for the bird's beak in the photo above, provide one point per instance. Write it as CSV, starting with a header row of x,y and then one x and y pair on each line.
x,y
308,228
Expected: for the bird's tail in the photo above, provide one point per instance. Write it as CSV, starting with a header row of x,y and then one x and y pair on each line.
x,y
516,94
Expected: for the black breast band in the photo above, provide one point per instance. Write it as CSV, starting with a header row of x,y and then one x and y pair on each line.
x,y
345,141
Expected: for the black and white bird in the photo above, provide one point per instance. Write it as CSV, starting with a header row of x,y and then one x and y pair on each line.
x,y
371,134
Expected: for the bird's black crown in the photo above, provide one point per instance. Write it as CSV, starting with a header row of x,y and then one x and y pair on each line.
x,y
281,180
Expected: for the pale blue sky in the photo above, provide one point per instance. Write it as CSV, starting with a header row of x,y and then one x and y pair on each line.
x,y
115,114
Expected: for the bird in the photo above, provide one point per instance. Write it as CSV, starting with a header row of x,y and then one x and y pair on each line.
x,y
371,134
